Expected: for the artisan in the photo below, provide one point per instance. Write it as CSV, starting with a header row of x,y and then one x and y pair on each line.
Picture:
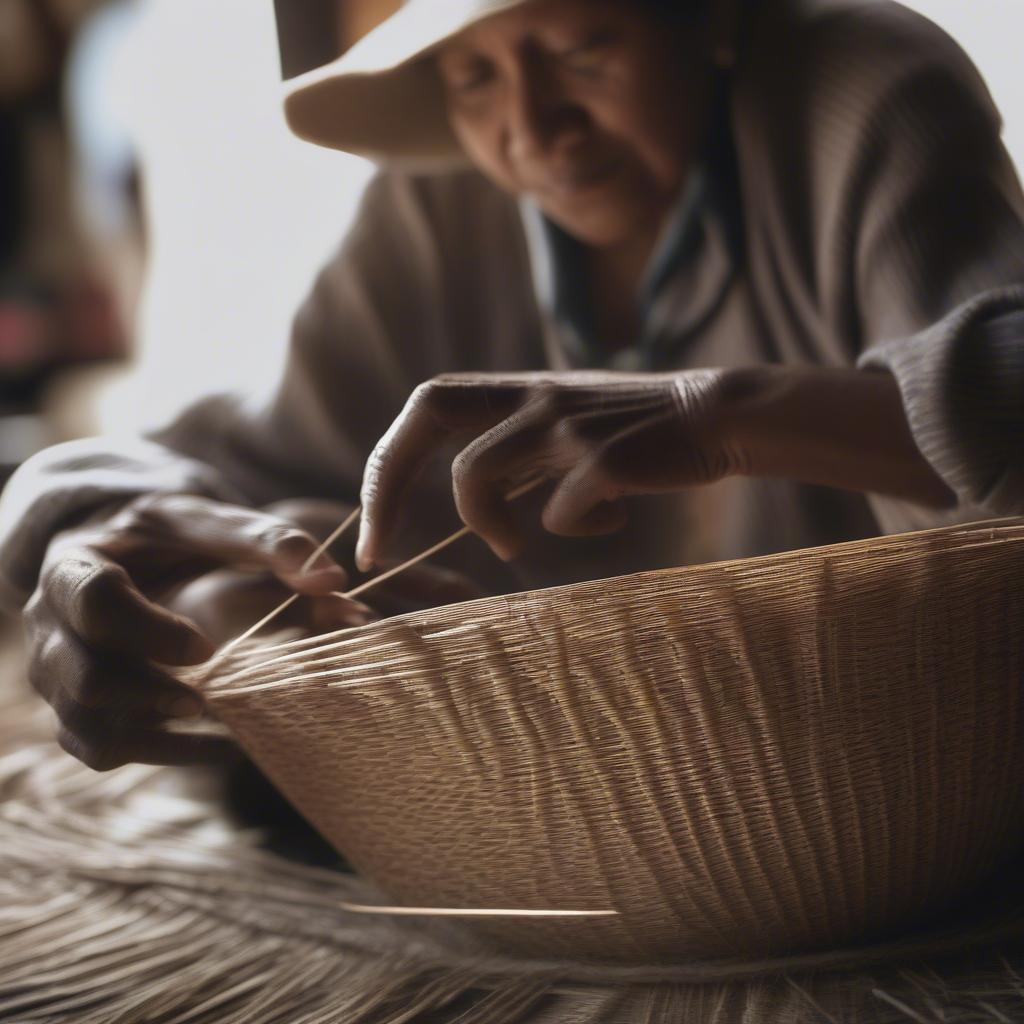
x,y
725,277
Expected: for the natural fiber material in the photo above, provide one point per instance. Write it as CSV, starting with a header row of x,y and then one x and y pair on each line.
x,y
751,759
123,902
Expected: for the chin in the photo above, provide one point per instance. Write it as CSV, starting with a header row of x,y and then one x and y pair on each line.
x,y
608,216
599,228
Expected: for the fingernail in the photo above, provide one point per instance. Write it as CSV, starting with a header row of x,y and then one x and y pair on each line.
x,y
181,707
364,561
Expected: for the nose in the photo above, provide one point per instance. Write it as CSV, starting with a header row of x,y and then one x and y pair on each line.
x,y
542,121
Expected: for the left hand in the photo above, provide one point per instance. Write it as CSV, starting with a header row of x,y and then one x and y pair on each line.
x,y
599,436
226,601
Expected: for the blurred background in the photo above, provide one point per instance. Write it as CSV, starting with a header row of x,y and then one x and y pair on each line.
x,y
158,224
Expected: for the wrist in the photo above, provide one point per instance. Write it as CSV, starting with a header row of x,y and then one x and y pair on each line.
x,y
842,428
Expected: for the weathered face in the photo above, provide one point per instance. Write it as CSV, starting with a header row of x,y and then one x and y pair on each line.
x,y
593,108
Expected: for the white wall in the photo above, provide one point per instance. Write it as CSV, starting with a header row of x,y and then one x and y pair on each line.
x,y
241,214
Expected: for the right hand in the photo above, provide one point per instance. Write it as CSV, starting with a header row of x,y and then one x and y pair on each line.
x,y
97,638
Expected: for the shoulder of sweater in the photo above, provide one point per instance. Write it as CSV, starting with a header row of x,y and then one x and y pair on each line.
x,y
417,228
853,54
457,202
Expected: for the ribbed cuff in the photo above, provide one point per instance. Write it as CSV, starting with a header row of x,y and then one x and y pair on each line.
x,y
962,383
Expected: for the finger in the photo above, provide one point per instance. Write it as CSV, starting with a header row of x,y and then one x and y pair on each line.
x,y
105,751
115,719
326,614
156,746
227,602
424,586
66,670
585,502
318,517
102,607
435,413
524,444
603,518
235,535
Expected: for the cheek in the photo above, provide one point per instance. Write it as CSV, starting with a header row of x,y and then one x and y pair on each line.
x,y
656,152
481,140
661,136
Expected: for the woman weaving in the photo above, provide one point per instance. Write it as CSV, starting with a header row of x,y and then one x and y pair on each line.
x,y
760,265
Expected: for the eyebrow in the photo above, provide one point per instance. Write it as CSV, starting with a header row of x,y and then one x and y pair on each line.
x,y
455,49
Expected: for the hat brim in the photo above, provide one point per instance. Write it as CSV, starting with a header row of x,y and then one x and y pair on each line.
x,y
383,99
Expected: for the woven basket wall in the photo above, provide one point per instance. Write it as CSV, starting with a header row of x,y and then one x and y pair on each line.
x,y
749,758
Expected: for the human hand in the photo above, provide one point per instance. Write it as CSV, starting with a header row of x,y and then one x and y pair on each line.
x,y
226,601
97,639
598,436
417,587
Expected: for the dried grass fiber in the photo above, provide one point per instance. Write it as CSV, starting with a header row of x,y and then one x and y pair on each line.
x,y
123,904
747,759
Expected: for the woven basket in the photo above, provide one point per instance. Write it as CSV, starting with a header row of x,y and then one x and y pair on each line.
x,y
744,759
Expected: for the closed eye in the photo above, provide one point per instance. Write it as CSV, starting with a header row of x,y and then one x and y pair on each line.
x,y
587,56
468,76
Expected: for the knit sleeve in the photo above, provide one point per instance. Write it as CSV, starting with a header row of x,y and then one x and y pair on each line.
x,y
962,383
935,217
918,229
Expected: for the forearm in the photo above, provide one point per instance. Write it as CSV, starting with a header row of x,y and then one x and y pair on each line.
x,y
833,427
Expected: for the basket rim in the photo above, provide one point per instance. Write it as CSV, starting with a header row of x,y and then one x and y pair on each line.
x,y
976,534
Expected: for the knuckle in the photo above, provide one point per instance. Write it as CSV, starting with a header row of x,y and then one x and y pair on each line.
x,y
38,673
44,661
440,403
57,576
462,466
101,584
87,685
284,542
141,514
426,391
472,472
425,403
311,515
34,607
94,598
93,752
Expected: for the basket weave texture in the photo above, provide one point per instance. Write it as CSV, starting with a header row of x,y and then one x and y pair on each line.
x,y
748,759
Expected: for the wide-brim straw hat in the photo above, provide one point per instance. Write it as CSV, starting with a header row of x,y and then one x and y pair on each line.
x,y
383,98
763,758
